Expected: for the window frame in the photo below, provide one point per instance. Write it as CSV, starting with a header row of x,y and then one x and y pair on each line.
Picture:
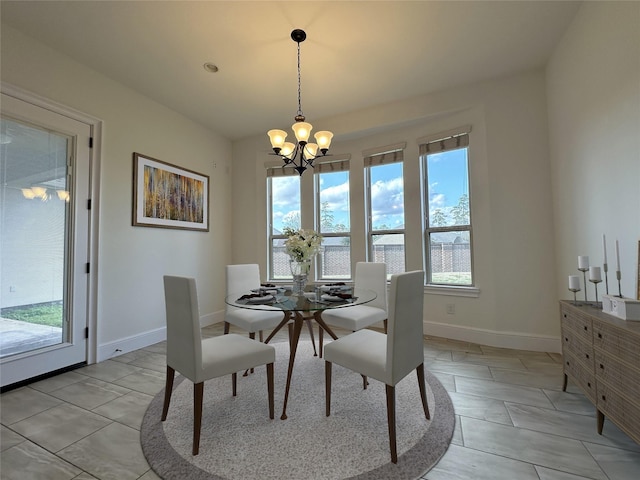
x,y
445,140
341,164
375,158
270,235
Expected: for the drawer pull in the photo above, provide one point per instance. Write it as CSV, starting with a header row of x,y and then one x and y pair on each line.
x,y
589,384
604,397
599,335
566,339
602,366
585,328
586,355
568,363
565,315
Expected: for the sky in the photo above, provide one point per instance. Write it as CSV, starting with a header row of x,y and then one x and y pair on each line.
x,y
447,182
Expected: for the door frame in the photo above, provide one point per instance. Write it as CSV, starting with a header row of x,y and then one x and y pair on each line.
x,y
95,125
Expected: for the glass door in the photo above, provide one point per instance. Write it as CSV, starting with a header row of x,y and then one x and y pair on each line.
x,y
43,240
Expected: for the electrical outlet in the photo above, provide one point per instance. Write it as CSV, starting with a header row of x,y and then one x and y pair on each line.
x,y
451,309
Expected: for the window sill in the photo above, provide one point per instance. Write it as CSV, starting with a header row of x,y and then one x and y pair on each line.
x,y
456,291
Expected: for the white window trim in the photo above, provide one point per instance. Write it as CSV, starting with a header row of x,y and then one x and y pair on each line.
x,y
453,291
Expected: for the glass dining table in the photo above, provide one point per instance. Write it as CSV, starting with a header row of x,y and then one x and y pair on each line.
x,y
299,308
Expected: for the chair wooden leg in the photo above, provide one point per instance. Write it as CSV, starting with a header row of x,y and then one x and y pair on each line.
x,y
234,383
423,391
327,384
270,389
313,341
385,325
365,382
168,387
226,327
198,393
320,339
261,336
391,420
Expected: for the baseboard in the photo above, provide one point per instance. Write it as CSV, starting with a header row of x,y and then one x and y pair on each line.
x,y
518,341
136,342
129,344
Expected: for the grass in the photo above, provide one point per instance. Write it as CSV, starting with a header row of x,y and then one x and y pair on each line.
x,y
452,278
49,313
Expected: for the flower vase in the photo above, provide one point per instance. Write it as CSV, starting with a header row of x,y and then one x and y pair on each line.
x,y
300,272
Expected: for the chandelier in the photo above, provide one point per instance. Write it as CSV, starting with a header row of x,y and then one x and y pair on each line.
x,y
301,154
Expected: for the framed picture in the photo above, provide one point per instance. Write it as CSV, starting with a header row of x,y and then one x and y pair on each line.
x,y
168,196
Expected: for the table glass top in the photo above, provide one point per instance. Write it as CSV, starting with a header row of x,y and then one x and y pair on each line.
x,y
316,297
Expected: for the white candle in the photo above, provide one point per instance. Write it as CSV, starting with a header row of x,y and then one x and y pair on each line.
x,y
583,262
574,282
617,256
604,248
594,274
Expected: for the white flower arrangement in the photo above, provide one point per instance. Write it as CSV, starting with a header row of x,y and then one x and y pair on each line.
x,y
302,244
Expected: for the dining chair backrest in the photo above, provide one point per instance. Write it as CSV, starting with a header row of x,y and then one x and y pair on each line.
x,y
373,276
405,326
184,341
243,277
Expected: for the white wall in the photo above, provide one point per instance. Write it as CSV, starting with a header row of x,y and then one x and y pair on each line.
x,y
132,260
511,203
593,88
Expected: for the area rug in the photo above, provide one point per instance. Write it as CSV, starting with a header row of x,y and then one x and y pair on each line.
x,y
240,442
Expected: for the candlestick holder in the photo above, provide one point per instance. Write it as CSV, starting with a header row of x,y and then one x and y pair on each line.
x,y
595,284
605,267
619,277
574,290
584,277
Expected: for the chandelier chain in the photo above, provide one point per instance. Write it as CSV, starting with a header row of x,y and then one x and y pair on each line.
x,y
299,90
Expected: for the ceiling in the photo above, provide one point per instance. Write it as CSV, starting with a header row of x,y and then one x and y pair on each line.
x,y
357,53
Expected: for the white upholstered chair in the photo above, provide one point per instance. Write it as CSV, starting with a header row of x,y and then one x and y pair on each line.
x,y
391,357
369,276
200,360
242,279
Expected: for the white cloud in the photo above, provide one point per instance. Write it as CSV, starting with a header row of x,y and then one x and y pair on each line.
x,y
387,202
437,201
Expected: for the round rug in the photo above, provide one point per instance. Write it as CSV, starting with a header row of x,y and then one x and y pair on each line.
x,y
240,442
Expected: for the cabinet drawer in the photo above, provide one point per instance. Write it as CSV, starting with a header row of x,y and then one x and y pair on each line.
x,y
621,411
579,323
582,374
617,343
577,347
618,375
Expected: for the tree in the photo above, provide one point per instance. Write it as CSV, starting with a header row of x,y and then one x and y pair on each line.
x,y
292,220
326,218
460,212
438,218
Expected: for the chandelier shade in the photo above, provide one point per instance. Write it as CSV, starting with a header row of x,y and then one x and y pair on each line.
x,y
301,154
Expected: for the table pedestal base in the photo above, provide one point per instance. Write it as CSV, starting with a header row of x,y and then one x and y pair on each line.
x,y
298,320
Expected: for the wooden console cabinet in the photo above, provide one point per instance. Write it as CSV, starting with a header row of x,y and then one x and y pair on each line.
x,y
601,354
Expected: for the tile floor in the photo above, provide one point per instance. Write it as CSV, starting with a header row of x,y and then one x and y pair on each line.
x,y
513,422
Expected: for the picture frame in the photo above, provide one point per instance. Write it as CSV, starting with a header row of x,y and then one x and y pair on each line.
x,y
169,196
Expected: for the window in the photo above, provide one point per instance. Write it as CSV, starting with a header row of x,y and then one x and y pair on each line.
x,y
447,206
283,190
332,212
385,208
